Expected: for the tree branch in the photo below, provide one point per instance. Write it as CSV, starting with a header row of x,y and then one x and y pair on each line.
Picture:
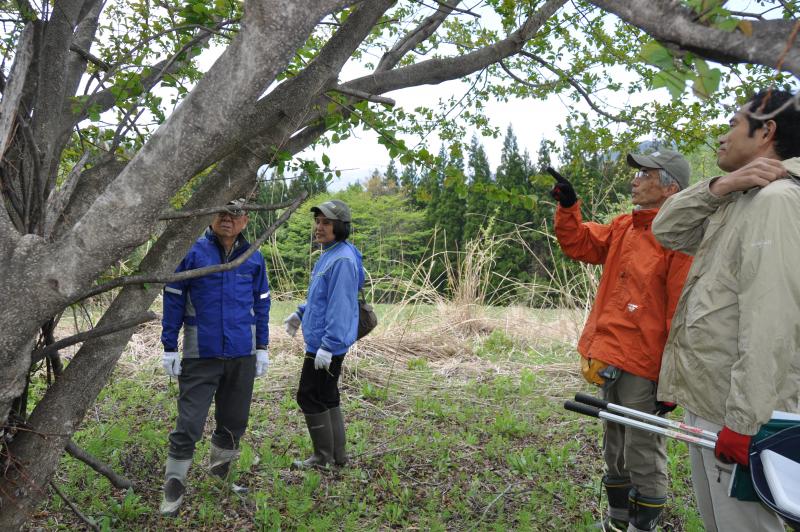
x,y
361,95
563,75
91,333
179,215
672,22
424,30
16,82
89,57
118,481
74,508
435,71
199,272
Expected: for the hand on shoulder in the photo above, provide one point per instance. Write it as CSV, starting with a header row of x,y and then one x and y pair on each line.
x,y
757,173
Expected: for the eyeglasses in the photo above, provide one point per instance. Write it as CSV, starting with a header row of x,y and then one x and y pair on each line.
x,y
642,175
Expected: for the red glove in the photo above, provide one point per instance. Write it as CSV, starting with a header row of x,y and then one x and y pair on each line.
x,y
733,447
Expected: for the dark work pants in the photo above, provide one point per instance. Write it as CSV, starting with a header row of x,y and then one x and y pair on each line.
x,y
229,382
319,388
632,453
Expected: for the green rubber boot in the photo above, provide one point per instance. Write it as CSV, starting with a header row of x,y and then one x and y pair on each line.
x,y
339,437
319,428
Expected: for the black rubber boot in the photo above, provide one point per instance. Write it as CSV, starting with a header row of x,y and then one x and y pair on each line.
x,y
644,511
617,489
319,428
339,437
174,486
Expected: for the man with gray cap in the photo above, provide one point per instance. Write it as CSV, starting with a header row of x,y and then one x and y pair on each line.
x,y
329,319
623,339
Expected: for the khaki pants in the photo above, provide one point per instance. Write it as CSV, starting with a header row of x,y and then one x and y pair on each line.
x,y
711,479
633,453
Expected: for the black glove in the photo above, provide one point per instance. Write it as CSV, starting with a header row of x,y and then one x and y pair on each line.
x,y
562,191
663,408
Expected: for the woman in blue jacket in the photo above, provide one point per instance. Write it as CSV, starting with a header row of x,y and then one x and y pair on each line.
x,y
329,319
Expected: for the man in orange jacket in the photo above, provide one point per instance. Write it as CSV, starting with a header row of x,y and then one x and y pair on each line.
x,y
625,333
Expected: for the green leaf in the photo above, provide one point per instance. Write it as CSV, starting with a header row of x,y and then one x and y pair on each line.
x,y
655,54
706,83
326,160
675,82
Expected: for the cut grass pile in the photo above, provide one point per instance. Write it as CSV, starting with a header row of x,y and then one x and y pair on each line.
x,y
454,422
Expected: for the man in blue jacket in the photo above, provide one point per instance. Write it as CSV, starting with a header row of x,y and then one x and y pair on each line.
x,y
225,318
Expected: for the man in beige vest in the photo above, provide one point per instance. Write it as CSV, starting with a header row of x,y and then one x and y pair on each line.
x,y
733,353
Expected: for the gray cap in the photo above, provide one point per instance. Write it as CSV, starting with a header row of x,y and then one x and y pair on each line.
x,y
235,206
671,161
334,210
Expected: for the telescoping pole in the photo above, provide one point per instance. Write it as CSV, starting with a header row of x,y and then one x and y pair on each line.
x,y
593,411
655,420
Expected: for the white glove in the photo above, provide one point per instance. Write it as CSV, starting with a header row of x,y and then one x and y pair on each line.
x,y
172,363
323,359
262,362
292,323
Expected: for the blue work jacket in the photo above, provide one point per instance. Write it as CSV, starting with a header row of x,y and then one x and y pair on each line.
x,y
330,313
223,314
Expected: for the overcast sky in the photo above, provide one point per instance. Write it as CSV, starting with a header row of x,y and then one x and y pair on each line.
x,y
531,120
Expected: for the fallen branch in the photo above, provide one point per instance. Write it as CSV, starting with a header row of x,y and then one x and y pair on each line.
x,y
118,481
74,508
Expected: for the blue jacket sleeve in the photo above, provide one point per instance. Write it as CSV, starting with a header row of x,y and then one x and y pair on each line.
x,y
174,306
261,303
341,315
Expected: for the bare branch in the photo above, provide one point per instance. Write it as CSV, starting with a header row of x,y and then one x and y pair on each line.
x,y
199,272
563,75
92,333
445,4
424,30
178,215
118,481
74,508
89,57
361,95
434,71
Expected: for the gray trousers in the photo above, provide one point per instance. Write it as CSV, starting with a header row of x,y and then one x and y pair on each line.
x,y
633,453
229,382
711,479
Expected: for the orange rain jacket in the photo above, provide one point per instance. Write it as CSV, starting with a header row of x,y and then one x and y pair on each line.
x,y
638,292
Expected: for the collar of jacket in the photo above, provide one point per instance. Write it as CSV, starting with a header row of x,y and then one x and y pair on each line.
x,y
241,241
793,165
643,217
332,245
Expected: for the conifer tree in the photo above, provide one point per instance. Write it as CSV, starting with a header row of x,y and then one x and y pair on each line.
x,y
479,207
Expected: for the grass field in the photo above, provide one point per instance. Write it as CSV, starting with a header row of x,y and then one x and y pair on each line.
x,y
454,422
